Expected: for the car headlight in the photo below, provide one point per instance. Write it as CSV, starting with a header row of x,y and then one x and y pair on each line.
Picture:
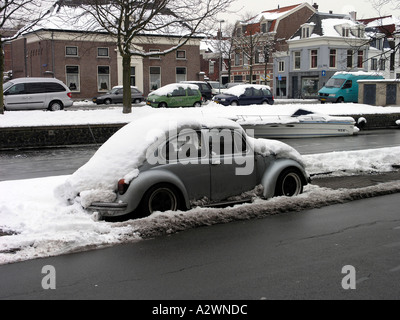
x,y
332,94
223,99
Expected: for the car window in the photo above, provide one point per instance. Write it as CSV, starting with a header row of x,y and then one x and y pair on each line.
x,y
266,92
179,92
192,92
187,144
248,92
53,87
348,84
135,90
258,93
35,87
19,88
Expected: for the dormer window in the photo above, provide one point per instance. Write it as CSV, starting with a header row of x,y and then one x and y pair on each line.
x,y
345,32
307,30
358,31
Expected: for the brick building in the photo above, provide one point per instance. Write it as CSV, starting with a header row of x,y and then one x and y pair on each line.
x,y
269,32
90,64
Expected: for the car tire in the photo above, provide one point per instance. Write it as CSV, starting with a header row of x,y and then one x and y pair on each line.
x,y
234,103
137,101
107,101
56,106
161,197
289,183
340,100
197,104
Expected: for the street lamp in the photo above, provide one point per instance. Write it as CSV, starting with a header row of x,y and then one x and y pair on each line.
x,y
220,54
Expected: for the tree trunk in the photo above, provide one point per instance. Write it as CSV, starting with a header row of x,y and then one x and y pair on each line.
x,y
126,82
1,78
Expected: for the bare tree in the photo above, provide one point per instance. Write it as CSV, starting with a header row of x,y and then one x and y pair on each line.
x,y
17,16
128,20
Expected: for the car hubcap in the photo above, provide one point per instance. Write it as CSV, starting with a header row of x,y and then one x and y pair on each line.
x,y
291,185
163,200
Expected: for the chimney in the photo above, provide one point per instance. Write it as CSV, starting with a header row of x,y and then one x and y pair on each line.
x,y
330,11
315,5
353,15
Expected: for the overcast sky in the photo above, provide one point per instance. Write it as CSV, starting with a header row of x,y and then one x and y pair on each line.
x,y
364,8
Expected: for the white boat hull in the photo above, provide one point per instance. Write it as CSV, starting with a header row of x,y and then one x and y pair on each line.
x,y
301,130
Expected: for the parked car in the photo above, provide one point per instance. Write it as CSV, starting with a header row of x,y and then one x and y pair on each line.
x,y
36,93
115,95
163,163
343,86
204,87
245,95
217,87
175,95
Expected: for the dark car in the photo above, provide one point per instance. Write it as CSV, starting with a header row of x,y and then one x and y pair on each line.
x,y
116,96
204,87
245,95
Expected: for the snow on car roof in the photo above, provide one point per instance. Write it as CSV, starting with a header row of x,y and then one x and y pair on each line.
x,y
240,89
169,88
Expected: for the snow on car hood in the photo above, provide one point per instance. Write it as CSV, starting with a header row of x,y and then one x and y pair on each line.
x,y
121,156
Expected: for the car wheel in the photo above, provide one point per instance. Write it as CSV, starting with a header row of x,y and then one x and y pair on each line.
x,y
197,104
289,183
137,101
234,103
56,106
340,100
265,102
162,105
107,101
161,197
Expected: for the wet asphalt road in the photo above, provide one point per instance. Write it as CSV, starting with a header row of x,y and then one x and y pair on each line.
x,y
297,255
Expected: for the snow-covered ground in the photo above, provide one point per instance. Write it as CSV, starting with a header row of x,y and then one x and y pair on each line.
x,y
115,115
33,223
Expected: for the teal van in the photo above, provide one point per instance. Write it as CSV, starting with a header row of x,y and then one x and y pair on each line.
x,y
175,95
343,86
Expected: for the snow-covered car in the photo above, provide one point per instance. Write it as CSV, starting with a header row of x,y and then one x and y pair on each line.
x,y
245,95
175,95
159,164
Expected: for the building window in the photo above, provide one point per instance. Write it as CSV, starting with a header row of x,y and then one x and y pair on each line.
x,y
281,66
264,28
382,64
103,78
133,76
374,64
297,60
360,59
180,74
72,77
305,32
332,58
349,59
157,57
345,32
102,52
314,59
211,64
155,78
181,54
238,78
71,51
237,59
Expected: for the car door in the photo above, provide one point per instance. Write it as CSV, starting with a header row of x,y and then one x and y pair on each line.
x,y
14,97
36,95
232,164
186,157
177,97
247,98
118,96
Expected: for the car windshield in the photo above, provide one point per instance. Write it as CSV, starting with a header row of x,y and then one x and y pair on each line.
x,y
216,85
335,83
7,85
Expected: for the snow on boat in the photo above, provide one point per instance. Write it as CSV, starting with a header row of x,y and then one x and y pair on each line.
x,y
302,124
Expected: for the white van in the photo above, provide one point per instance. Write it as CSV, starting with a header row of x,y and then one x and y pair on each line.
x,y
36,93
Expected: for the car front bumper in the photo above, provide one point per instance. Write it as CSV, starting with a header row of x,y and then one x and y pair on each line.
x,y
109,209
